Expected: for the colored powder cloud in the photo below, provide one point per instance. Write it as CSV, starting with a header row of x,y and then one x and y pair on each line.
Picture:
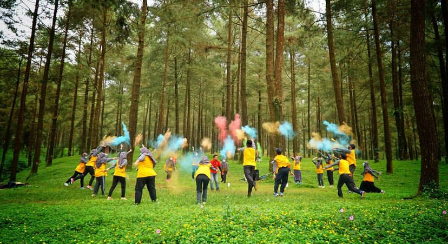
x,y
271,127
122,139
228,149
286,130
221,123
250,131
206,144
233,126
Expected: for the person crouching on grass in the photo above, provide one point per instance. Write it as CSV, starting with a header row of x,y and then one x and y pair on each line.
x,y
344,176
283,169
120,174
100,173
368,184
145,175
319,171
78,171
202,176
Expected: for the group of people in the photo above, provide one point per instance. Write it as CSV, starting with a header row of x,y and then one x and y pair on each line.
x,y
95,165
205,171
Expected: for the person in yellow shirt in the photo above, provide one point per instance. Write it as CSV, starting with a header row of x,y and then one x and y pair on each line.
x,y
100,173
283,169
78,171
120,173
90,166
169,167
202,177
297,171
368,184
329,160
249,164
145,175
319,171
344,176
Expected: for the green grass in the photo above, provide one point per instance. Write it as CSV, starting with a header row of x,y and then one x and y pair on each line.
x,y
48,212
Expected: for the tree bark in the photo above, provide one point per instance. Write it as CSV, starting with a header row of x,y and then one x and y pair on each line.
x,y
443,72
54,119
426,125
75,97
99,97
162,99
229,99
188,133
11,113
176,97
32,131
244,116
334,70
293,100
309,103
84,145
90,142
40,122
379,57
400,99
133,111
270,79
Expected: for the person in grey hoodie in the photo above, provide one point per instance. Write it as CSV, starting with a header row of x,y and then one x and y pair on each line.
x,y
224,170
79,171
319,170
368,184
120,173
100,173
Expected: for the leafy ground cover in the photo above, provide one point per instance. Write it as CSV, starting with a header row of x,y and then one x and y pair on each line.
x,y
48,212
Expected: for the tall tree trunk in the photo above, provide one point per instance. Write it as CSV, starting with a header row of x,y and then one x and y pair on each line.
x,y
176,97
162,99
101,126
188,133
229,100
145,119
400,99
11,113
149,119
166,127
334,70
374,130
309,103
397,108
270,79
260,135
32,131
443,77
379,58
352,105
75,97
90,142
358,126
54,119
99,96
133,111
84,146
279,59
424,112
293,101
40,122
244,118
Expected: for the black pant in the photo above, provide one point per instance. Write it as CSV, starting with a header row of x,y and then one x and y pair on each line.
x,y
348,181
100,181
352,168
249,173
224,176
320,179
169,174
201,187
330,177
150,183
281,178
81,176
368,186
115,181
89,170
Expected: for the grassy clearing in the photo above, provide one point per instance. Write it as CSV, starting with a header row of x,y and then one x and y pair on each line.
x,y
48,212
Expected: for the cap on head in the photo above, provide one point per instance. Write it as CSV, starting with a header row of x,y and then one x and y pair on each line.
x,y
352,146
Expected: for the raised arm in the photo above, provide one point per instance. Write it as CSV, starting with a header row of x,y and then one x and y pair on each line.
x,y
333,164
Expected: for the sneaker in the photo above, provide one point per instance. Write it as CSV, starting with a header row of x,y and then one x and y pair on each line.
x,y
323,186
382,192
65,184
287,184
362,194
90,187
109,198
349,192
82,188
124,198
275,194
93,195
331,186
281,194
72,180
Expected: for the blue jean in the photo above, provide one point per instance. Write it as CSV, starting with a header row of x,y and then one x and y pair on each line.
x,y
214,177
